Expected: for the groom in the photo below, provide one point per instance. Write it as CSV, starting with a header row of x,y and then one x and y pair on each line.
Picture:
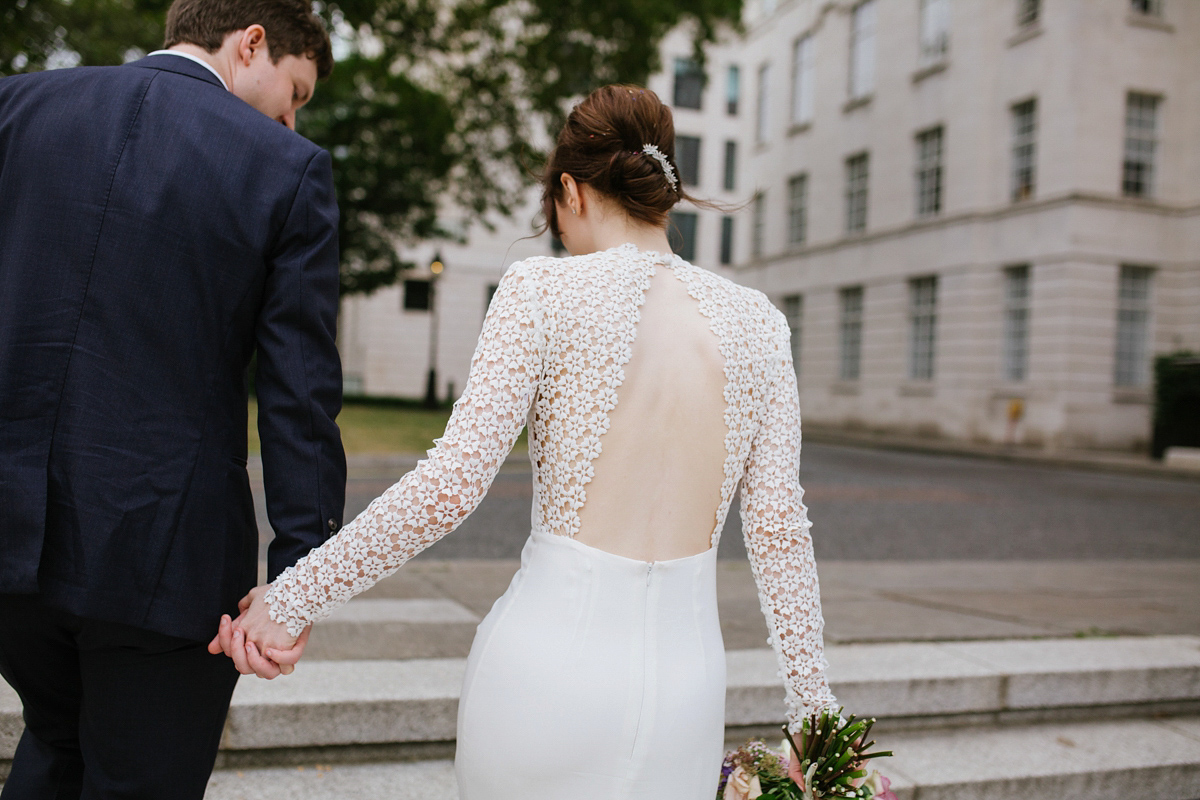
x,y
159,223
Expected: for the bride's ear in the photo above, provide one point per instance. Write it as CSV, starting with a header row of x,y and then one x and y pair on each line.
x,y
572,197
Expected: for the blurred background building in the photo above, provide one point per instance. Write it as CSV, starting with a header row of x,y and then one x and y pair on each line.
x,y
982,217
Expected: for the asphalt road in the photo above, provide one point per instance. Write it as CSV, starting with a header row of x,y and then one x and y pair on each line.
x,y
869,504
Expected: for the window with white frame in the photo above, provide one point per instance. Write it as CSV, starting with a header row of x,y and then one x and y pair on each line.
x,y
1133,326
730,182
862,50
856,193
763,119
759,222
797,209
687,158
793,310
803,80
1151,8
1028,12
922,327
1016,323
929,172
935,30
1024,150
1141,145
733,89
851,331
689,83
726,240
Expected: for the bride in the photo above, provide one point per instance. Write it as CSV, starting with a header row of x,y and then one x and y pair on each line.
x,y
653,389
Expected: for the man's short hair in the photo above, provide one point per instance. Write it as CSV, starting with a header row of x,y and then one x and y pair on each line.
x,y
292,27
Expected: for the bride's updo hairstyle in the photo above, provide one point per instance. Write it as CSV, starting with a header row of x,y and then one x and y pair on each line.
x,y
602,145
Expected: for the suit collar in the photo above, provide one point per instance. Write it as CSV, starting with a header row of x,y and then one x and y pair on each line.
x,y
180,66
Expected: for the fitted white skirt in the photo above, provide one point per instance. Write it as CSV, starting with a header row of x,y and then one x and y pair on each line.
x,y
595,677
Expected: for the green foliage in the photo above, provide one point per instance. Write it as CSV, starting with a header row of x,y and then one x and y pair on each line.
x,y
68,32
389,139
434,104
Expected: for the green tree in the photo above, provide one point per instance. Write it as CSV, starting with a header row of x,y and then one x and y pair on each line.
x,y
434,104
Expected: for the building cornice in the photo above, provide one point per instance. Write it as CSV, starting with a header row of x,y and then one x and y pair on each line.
x,y
1087,199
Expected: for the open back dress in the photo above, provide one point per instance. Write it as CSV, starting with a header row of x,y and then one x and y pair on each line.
x,y
653,389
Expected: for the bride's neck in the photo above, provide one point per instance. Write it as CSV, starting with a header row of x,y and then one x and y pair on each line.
x,y
615,231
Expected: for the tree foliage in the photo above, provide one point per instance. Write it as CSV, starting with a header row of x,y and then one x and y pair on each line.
x,y
435,107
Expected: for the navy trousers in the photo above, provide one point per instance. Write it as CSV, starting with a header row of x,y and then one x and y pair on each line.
x,y
111,711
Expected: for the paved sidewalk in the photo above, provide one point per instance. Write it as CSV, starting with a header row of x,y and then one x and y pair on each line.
x,y
1097,460
429,609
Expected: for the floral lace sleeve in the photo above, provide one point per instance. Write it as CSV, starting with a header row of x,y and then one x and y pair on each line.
x,y
447,485
775,526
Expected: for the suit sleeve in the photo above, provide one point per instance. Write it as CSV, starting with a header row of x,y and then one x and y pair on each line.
x,y
299,378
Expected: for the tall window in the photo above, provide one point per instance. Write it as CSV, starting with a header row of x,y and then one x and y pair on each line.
x,y
1028,12
730,183
929,172
682,234
687,158
850,340
756,234
797,209
803,80
1024,150
793,309
1141,144
1151,8
856,193
922,327
1016,323
726,240
862,50
689,83
1133,326
935,30
733,89
762,123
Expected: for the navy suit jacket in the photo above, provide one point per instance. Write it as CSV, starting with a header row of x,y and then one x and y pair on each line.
x,y
154,231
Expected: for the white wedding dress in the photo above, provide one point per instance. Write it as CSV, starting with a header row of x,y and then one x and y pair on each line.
x,y
652,390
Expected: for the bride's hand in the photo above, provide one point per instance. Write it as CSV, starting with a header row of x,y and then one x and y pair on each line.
x,y
255,642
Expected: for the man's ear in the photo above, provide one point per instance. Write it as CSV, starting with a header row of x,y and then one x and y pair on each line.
x,y
252,39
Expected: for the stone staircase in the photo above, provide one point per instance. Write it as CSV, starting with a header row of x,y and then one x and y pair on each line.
x,y
1093,718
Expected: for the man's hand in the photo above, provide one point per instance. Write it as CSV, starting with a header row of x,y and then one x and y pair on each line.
x,y
255,642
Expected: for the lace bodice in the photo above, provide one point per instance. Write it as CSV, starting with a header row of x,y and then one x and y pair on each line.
x,y
554,345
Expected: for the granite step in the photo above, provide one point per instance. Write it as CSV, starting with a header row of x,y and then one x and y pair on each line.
x,y
351,710
1100,760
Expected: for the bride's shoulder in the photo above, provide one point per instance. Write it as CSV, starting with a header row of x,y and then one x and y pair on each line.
x,y
739,298
549,268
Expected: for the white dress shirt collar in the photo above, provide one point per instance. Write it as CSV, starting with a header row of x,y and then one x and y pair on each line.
x,y
191,57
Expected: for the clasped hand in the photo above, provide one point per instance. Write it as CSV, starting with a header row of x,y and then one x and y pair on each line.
x,y
257,644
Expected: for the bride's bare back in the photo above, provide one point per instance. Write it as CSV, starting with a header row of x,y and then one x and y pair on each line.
x,y
657,483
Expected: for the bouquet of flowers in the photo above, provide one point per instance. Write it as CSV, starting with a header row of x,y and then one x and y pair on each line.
x,y
826,760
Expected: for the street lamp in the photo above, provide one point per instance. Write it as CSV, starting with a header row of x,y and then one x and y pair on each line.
x,y
436,267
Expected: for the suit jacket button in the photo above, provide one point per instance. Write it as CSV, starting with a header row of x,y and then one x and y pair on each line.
x,y
333,526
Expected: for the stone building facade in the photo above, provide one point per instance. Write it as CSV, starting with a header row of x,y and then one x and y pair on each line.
x,y
981,216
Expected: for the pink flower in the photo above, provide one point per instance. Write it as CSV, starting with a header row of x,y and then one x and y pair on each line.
x,y
742,786
880,786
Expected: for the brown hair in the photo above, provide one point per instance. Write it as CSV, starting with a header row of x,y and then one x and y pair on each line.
x,y
292,28
601,145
